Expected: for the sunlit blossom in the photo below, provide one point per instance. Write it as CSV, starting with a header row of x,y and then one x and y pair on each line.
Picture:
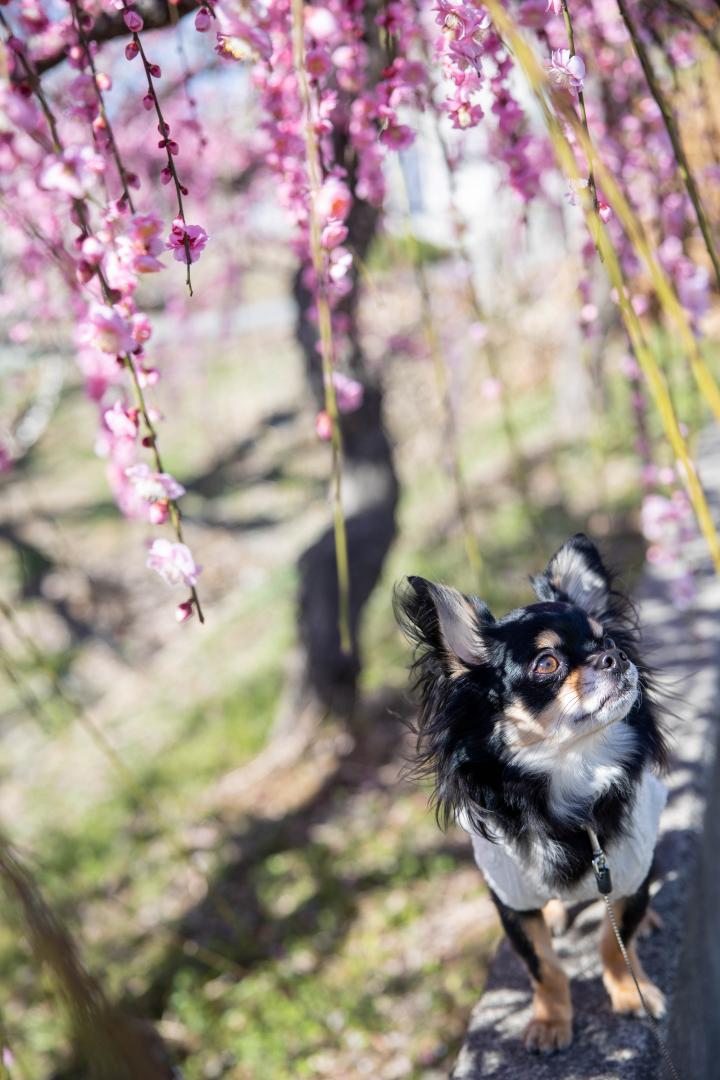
x,y
173,562
567,71
186,241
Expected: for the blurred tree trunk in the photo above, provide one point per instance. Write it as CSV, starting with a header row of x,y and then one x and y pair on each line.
x,y
325,680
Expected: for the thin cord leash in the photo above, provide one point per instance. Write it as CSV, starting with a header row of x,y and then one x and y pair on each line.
x,y
604,884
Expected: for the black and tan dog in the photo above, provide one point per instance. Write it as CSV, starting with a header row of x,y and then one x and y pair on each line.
x,y
534,727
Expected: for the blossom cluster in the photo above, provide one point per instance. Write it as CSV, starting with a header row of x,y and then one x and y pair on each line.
x,y
474,60
628,130
344,99
67,166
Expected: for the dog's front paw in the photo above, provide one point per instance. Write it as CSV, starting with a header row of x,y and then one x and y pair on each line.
x,y
625,998
547,1036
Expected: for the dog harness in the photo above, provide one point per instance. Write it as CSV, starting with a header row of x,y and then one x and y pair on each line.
x,y
517,878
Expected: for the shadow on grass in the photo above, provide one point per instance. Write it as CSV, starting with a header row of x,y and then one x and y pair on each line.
x,y
233,920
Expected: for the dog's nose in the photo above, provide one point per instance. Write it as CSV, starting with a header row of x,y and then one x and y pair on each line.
x,y
613,660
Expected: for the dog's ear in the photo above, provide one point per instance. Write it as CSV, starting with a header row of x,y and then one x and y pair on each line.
x,y
442,622
576,573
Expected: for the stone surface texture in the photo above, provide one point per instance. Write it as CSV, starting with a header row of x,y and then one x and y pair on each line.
x,y
682,958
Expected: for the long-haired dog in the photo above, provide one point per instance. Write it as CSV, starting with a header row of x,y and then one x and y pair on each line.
x,y
533,727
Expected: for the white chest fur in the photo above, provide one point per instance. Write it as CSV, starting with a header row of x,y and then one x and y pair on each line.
x,y
579,770
519,880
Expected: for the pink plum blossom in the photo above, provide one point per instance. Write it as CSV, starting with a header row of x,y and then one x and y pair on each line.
x,y
320,22
120,422
349,393
173,562
566,71
100,371
463,114
317,63
186,241
141,328
106,329
340,263
93,250
240,41
333,200
398,136
153,486
333,234
75,171
140,246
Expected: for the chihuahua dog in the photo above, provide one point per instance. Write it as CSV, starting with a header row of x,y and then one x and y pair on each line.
x,y
535,727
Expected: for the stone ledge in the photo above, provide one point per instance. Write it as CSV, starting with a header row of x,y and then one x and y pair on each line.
x,y
683,958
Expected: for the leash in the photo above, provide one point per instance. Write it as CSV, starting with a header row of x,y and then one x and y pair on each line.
x,y
604,884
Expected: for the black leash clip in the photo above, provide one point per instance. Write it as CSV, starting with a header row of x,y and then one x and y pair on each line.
x,y
602,872
599,864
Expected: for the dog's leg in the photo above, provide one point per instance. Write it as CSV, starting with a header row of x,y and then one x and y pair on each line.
x,y
556,916
618,982
550,1028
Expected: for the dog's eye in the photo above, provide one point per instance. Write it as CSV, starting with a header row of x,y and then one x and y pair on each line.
x,y
608,643
546,665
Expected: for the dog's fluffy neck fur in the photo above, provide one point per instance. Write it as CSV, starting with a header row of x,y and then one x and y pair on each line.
x,y
543,806
582,771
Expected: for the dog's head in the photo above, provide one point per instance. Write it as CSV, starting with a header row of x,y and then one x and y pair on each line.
x,y
525,691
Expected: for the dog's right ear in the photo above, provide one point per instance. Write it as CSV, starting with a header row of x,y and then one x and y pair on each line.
x,y
443,622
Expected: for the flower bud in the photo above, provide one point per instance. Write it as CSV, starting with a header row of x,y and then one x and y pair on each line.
x,y
159,512
133,21
202,20
148,376
323,426
184,611
84,271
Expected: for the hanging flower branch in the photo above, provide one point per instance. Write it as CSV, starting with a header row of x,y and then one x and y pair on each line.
x,y
185,241
314,71
111,332
648,363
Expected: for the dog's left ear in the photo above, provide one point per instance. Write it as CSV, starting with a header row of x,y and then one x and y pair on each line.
x,y
444,623
576,573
